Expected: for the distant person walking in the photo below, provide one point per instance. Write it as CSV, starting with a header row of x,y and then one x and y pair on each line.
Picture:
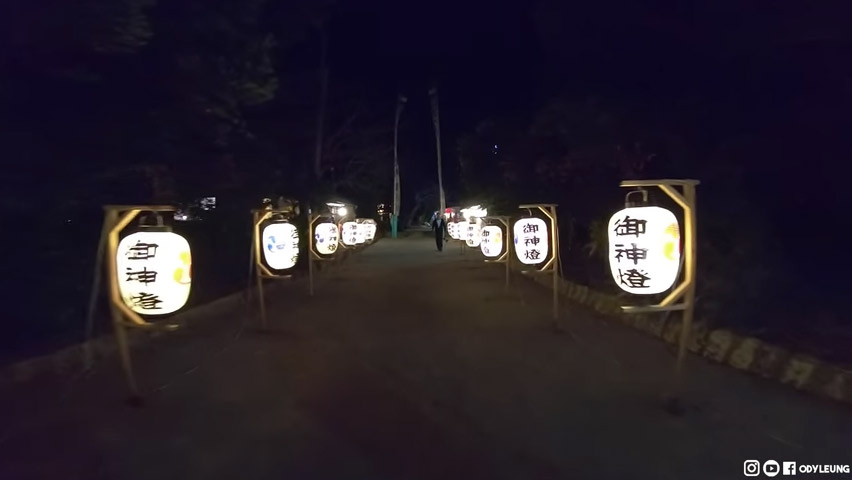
x,y
439,226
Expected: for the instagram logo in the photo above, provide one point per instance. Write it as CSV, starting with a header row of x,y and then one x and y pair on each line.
x,y
751,468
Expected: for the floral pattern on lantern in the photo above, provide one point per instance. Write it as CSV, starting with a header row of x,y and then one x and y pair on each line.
x,y
280,244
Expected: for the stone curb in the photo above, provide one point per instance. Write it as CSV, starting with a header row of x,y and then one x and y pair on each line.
x,y
799,371
70,358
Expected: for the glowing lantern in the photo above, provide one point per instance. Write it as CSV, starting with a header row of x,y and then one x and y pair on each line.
x,y
154,272
360,233
472,236
492,241
350,234
326,238
531,240
474,212
451,230
370,227
337,209
461,230
280,244
644,249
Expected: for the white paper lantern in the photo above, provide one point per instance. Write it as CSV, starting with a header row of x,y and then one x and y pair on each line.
x,y
371,228
644,249
154,272
349,237
461,230
472,237
474,212
531,240
361,233
280,244
492,241
451,230
326,237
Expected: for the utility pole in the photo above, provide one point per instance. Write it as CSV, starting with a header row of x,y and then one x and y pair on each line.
x,y
400,103
433,92
323,101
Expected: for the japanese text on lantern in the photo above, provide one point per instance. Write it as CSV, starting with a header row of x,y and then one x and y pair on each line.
x,y
154,272
350,233
326,238
629,254
473,238
461,230
644,246
143,251
360,232
371,227
532,241
492,243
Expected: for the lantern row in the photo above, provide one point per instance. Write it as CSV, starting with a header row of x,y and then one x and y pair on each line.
x,y
154,268
644,244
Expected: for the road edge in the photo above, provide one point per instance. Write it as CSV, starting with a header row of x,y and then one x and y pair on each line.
x,y
70,359
796,370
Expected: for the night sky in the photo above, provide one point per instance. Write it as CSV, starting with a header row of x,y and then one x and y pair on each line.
x,y
482,56
761,60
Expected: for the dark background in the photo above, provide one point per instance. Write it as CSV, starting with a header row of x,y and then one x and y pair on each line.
x,y
136,101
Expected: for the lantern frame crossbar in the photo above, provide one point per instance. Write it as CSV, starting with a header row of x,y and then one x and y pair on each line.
x,y
654,308
685,291
142,208
551,266
657,183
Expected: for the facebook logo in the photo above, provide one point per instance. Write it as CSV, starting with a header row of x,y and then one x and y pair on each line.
x,y
789,468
